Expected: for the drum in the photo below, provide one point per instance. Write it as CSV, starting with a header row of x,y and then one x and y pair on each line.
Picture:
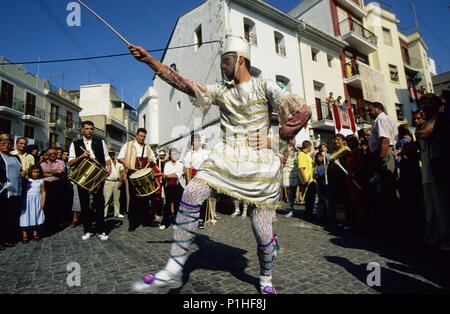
x,y
89,175
144,182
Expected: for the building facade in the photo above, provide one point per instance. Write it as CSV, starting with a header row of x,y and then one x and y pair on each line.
x,y
22,104
380,63
298,56
115,121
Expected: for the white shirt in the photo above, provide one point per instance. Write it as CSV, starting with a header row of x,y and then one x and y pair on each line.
x,y
138,147
116,168
176,168
384,126
194,158
88,144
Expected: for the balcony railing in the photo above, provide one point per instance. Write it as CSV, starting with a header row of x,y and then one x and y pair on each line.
x,y
412,62
251,38
35,112
323,112
351,25
362,115
17,104
351,69
281,50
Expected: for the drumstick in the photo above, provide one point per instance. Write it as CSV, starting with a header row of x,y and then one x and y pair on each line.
x,y
106,23
95,160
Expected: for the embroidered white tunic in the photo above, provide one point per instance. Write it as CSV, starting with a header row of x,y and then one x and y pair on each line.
x,y
234,168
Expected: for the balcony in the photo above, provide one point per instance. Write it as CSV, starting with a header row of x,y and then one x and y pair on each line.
x,y
352,75
322,117
355,6
34,116
358,36
72,128
412,65
57,121
13,111
113,144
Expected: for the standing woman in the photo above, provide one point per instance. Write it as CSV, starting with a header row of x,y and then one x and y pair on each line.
x,y
10,193
173,171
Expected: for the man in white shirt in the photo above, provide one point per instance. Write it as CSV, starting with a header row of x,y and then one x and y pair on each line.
x,y
383,136
95,149
192,162
112,186
135,155
194,158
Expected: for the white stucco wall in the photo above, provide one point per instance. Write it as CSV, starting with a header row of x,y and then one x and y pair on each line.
x,y
264,56
203,64
95,100
317,12
330,77
386,55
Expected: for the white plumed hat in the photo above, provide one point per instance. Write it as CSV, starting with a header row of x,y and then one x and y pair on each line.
x,y
238,45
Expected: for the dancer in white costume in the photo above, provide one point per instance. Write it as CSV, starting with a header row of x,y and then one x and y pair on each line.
x,y
241,166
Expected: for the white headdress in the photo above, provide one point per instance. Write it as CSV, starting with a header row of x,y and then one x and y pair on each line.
x,y
238,45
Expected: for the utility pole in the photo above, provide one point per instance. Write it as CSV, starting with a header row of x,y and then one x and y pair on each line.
x,y
415,17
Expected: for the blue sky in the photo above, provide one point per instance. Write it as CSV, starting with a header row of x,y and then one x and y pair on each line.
x,y
37,28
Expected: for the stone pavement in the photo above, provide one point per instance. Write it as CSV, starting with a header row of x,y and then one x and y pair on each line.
x,y
313,259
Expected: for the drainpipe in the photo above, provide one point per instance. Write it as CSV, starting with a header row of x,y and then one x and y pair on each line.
x,y
302,75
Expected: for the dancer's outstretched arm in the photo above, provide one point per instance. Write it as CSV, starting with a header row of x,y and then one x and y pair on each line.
x,y
163,71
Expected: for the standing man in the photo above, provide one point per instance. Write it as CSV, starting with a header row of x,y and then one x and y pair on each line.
x,y
382,139
135,155
192,162
95,149
244,103
112,186
27,160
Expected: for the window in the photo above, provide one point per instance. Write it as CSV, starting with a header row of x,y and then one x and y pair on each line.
x,y
399,109
250,32
53,140
30,105
28,132
283,82
393,73
69,120
314,54
387,36
144,121
330,61
279,44
178,105
5,126
6,96
198,37
54,112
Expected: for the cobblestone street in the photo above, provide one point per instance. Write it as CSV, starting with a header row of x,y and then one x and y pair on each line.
x,y
313,259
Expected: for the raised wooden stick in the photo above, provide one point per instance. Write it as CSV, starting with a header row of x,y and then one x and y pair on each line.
x,y
106,23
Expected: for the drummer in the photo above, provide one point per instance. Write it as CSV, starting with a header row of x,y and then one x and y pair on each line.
x,y
95,149
136,155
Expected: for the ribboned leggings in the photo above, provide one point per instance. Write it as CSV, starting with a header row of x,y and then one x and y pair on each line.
x,y
187,225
